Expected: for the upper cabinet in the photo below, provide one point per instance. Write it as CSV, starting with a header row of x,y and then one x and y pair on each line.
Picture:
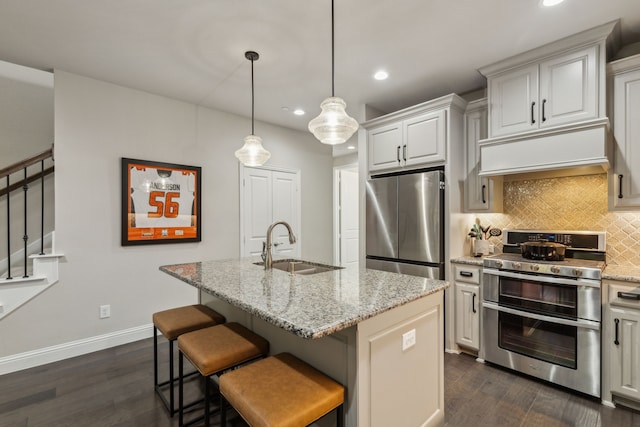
x,y
413,137
624,177
547,106
481,194
560,90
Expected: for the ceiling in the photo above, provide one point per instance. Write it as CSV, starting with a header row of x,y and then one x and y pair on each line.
x,y
193,50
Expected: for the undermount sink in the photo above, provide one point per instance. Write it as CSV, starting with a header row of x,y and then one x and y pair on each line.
x,y
296,266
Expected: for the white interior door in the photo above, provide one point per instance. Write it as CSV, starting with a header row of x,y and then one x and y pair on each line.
x,y
269,195
285,208
347,228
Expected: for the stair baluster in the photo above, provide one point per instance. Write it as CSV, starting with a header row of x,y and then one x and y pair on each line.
x,y
25,187
8,232
42,207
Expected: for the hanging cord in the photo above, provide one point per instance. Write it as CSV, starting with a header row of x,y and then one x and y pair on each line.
x,y
333,61
252,97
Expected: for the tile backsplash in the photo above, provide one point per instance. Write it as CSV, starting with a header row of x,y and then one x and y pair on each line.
x,y
569,203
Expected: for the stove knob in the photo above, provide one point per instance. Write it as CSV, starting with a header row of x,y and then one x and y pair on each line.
x,y
577,272
517,266
498,263
535,267
555,270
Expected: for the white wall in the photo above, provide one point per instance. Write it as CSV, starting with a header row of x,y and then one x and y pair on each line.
x,y
26,129
97,123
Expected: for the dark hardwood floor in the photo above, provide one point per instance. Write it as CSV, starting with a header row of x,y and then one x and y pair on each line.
x,y
113,387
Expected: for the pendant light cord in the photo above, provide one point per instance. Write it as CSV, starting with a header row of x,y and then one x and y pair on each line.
x,y
333,61
252,98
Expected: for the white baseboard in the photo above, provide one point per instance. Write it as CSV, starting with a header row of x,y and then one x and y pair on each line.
x,y
30,359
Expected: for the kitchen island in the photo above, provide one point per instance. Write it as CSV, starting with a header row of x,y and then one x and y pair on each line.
x,y
380,334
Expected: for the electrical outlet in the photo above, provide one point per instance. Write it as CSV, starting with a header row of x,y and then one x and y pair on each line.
x,y
105,311
408,339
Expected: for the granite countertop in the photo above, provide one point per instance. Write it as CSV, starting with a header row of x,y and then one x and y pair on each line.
x,y
310,306
470,260
624,273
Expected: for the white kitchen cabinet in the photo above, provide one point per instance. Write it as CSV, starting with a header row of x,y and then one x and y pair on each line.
x,y
467,302
424,138
385,144
621,343
563,89
481,194
547,107
624,177
413,137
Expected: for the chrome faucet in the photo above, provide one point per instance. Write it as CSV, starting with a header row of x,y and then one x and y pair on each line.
x,y
266,246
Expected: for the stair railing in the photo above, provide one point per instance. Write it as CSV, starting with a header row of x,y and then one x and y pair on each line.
x,y
6,173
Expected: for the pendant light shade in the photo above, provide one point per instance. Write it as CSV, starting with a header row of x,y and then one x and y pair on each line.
x,y
333,125
252,152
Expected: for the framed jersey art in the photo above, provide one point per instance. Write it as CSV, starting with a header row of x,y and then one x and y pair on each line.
x,y
160,202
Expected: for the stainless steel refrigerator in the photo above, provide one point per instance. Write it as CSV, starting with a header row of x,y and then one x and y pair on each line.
x,y
405,219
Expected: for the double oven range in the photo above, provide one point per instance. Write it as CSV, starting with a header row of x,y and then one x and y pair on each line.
x,y
541,317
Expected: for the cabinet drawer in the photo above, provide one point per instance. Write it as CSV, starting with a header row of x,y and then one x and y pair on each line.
x,y
467,274
625,296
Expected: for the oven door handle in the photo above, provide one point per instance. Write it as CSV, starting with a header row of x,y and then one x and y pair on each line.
x,y
588,324
542,278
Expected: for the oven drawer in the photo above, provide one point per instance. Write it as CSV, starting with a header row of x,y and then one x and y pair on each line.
x,y
467,274
624,295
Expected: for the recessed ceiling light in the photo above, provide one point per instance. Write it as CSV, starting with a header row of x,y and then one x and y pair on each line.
x,y
381,75
351,147
298,112
551,2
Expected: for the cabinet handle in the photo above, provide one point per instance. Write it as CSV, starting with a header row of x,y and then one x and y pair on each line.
x,y
473,303
398,154
616,342
620,196
484,189
629,295
404,152
466,273
544,119
533,121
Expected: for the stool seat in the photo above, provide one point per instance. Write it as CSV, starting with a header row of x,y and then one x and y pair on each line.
x,y
177,321
214,349
281,391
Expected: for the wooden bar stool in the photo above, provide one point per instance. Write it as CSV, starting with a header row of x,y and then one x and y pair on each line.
x,y
281,391
213,351
172,323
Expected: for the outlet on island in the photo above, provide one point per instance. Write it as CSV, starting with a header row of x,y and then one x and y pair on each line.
x,y
408,339
105,311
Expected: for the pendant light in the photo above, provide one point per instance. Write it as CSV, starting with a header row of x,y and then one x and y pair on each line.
x,y
252,152
333,125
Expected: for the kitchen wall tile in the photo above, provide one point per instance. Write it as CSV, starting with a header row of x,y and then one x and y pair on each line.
x,y
569,203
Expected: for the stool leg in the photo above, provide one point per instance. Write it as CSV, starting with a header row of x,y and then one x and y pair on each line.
x,y
223,412
155,356
340,414
171,400
180,389
206,401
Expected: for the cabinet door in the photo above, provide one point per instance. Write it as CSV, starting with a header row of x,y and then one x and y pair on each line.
x,y
624,346
467,315
384,146
626,128
569,88
513,101
424,138
479,191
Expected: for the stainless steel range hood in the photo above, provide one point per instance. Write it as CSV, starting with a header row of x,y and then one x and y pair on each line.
x,y
570,150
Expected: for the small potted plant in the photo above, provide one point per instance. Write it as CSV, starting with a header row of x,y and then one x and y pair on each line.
x,y
479,236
